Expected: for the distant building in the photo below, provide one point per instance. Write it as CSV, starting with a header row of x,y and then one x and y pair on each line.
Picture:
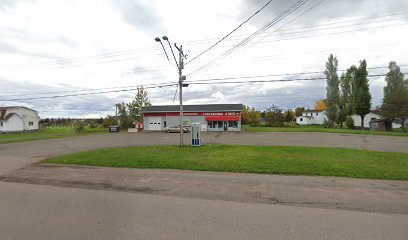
x,y
212,117
18,118
310,117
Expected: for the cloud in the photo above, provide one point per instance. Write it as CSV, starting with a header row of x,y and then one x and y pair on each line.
x,y
328,10
76,106
139,13
11,49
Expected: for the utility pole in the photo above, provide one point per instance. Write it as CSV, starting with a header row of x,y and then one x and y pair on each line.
x,y
181,79
180,67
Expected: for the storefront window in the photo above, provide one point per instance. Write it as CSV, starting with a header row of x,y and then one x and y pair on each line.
x,y
233,124
215,124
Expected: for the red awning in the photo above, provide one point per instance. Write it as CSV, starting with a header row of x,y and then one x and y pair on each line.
x,y
222,118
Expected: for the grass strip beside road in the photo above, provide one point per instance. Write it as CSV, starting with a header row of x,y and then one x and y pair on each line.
x,y
251,159
51,132
316,128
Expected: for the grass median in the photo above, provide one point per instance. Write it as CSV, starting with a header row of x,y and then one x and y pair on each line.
x,y
48,133
251,159
318,128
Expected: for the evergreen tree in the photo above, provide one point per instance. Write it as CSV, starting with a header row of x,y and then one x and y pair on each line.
x,y
395,101
361,97
332,89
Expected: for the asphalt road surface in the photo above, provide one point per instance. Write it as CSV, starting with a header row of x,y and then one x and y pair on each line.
x,y
44,212
17,155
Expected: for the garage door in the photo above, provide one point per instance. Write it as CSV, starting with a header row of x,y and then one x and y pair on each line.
x,y
154,124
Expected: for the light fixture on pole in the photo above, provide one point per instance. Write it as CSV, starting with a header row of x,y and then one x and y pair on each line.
x,y
180,66
158,40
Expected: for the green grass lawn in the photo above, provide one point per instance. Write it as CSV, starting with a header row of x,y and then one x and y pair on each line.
x,y
251,159
318,128
51,132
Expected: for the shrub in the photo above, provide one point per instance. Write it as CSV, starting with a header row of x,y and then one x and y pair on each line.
x,y
350,122
79,127
291,124
93,124
328,123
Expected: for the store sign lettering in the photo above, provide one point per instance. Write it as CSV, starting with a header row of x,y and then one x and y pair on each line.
x,y
211,114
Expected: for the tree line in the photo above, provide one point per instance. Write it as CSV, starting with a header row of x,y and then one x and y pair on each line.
x,y
345,95
350,94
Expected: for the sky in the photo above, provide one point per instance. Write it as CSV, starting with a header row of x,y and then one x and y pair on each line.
x,y
54,48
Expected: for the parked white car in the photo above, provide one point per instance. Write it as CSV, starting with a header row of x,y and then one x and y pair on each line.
x,y
175,129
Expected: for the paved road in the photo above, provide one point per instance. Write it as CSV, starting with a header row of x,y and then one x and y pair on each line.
x,y
370,195
42,212
17,155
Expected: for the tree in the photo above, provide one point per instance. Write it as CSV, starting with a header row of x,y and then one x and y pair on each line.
x,y
361,97
289,116
254,116
332,89
320,104
344,105
250,115
140,101
299,111
109,121
274,116
125,120
395,101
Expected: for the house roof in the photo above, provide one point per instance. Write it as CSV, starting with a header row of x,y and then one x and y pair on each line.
x,y
9,107
314,110
4,117
195,108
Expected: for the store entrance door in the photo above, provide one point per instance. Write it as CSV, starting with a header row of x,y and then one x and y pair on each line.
x,y
225,126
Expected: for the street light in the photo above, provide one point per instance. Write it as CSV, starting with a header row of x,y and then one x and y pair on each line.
x,y
158,40
180,66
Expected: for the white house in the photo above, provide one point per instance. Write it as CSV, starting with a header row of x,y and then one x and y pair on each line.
x,y
311,117
317,117
18,118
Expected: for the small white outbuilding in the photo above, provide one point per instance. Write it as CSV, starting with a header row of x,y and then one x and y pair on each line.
x,y
18,118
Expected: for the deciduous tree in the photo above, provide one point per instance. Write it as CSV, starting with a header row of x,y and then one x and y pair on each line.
x,y
299,111
345,108
332,89
361,97
320,104
274,116
395,101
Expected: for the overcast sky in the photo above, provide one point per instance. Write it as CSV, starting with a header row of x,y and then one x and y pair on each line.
x,y
56,47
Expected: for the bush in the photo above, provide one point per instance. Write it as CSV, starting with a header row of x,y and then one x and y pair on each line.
x,y
328,123
350,122
291,124
93,124
79,127
110,121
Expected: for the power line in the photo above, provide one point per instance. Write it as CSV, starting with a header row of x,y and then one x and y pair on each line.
x,y
71,62
273,80
204,81
311,26
276,20
84,94
235,29
190,81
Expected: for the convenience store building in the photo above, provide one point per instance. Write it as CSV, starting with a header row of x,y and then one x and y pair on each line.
x,y
212,117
